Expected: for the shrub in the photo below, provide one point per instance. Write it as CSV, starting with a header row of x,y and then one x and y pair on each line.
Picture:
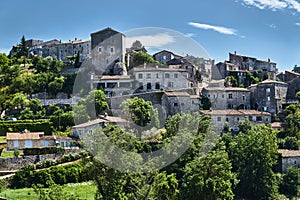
x,y
42,150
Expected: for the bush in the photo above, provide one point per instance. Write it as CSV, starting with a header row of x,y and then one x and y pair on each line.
x,y
27,177
31,125
42,150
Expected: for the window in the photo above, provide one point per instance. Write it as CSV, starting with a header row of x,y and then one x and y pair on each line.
x,y
268,90
157,75
218,119
230,96
250,118
111,49
167,75
227,120
46,143
269,98
140,76
223,96
267,119
28,143
148,86
99,49
175,75
175,104
181,104
148,75
259,118
157,86
238,119
170,84
62,144
16,143
243,97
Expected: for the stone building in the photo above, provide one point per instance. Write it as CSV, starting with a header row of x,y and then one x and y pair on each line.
x,y
164,56
268,96
179,102
35,140
239,63
62,50
222,98
153,77
232,118
88,127
289,158
113,85
108,48
293,81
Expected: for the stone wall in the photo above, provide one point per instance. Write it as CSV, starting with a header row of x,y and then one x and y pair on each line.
x,y
16,163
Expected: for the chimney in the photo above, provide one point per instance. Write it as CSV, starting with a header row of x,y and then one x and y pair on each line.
x,y
235,52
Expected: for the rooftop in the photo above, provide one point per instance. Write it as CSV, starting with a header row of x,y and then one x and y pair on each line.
x,y
227,89
289,153
234,112
177,94
24,136
109,119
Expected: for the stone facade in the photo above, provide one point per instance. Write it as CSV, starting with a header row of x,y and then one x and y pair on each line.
x,y
293,88
268,96
289,158
108,47
164,56
61,50
227,98
179,102
152,77
232,118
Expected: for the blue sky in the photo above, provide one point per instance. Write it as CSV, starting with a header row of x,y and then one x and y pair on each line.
x,y
258,28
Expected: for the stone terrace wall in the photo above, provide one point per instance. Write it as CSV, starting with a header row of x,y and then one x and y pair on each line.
x,y
16,163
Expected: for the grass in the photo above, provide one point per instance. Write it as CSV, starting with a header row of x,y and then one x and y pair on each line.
x,y
85,191
6,154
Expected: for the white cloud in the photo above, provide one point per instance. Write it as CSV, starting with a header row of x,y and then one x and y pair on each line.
x,y
294,4
297,24
274,4
272,26
157,40
220,29
189,35
6,51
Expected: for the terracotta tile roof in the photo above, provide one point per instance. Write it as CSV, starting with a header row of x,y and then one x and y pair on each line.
x,y
24,136
114,77
234,112
277,125
227,89
177,94
109,119
289,153
148,69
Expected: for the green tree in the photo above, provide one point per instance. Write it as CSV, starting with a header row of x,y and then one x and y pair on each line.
x,y
209,177
290,185
95,101
56,85
296,69
138,110
139,58
254,154
22,49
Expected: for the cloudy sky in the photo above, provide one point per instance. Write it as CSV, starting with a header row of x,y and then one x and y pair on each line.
x,y
258,28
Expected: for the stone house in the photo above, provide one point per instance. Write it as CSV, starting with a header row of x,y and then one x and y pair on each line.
x,y
289,158
164,56
88,127
232,118
61,50
34,140
244,63
268,96
113,85
153,77
222,98
179,102
108,47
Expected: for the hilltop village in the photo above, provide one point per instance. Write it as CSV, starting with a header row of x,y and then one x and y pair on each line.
x,y
240,88
47,88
